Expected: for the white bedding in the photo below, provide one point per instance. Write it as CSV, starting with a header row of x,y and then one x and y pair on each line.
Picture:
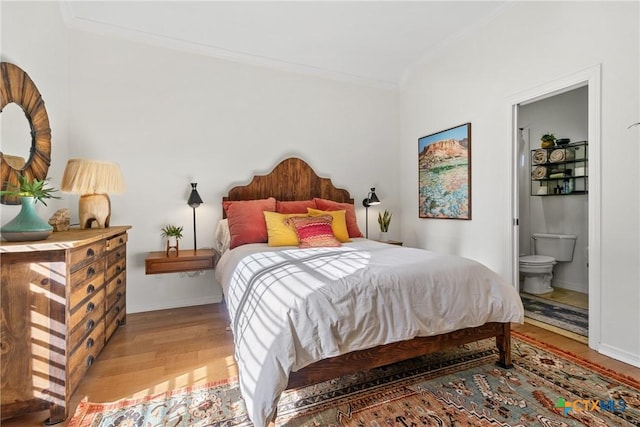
x,y
291,307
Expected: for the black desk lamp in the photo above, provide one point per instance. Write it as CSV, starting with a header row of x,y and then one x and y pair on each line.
x,y
194,202
371,200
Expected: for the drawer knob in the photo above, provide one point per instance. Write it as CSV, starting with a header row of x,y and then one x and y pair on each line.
x,y
119,282
91,271
90,252
118,268
90,307
89,360
90,289
44,282
118,255
118,296
117,309
90,324
90,342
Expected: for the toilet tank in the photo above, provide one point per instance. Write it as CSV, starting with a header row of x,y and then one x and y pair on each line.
x,y
559,246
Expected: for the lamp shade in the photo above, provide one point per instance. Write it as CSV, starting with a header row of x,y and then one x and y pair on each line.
x,y
194,198
371,199
93,180
83,176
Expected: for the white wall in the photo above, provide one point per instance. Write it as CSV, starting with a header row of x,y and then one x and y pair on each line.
x,y
474,79
565,115
170,118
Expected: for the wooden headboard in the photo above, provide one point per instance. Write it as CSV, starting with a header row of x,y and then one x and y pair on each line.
x,y
291,179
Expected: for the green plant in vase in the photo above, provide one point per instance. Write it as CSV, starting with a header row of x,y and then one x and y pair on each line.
x,y
36,189
28,226
173,233
384,219
547,140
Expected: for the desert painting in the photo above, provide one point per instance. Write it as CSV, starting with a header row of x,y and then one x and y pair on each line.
x,y
444,174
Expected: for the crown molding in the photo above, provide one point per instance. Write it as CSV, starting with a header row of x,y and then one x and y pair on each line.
x,y
77,23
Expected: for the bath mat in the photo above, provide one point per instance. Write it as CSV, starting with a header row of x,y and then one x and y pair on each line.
x,y
563,316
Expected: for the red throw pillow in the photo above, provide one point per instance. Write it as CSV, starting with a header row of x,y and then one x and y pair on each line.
x,y
295,207
246,220
350,216
314,231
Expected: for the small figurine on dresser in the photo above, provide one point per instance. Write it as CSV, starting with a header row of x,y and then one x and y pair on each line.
x,y
60,220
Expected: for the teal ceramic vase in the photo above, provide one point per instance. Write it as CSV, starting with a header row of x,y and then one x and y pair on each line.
x,y
27,226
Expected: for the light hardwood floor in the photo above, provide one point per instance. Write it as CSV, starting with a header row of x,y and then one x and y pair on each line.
x,y
162,350
566,296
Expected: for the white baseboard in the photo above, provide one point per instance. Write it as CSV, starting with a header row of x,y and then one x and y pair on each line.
x,y
174,304
619,354
570,286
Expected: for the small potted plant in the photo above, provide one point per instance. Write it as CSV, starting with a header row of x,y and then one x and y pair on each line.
x,y
547,140
384,219
28,225
173,234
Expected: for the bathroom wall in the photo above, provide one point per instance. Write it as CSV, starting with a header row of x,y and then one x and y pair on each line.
x,y
566,116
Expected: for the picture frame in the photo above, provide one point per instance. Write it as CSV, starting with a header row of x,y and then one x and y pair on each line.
x,y
444,174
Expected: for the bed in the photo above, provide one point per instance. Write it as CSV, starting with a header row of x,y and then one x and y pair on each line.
x,y
303,316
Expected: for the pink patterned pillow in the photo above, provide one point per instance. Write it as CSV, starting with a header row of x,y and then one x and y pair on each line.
x,y
314,232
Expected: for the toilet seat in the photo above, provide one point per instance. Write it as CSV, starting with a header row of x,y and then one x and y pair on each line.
x,y
537,259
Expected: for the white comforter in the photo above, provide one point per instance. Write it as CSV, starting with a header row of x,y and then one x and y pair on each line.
x,y
292,307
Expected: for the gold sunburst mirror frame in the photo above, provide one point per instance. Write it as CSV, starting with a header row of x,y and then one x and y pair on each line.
x,y
16,87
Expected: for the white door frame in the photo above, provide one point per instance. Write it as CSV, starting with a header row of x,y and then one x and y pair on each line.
x,y
590,77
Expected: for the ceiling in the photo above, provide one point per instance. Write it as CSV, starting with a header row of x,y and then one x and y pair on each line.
x,y
371,42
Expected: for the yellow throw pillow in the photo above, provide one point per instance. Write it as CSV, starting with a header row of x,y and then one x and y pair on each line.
x,y
338,225
279,233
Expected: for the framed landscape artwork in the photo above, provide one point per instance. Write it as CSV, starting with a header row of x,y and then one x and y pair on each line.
x,y
444,174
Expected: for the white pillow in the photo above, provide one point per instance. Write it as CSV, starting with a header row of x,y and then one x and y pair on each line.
x,y
223,236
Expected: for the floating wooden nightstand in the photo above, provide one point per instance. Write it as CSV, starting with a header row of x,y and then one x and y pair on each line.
x,y
185,260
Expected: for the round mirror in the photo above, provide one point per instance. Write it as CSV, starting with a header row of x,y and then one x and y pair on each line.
x,y
30,154
16,136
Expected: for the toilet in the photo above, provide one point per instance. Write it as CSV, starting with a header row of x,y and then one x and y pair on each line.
x,y
537,269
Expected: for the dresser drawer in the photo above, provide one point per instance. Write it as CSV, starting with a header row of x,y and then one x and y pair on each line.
x,y
117,255
114,286
88,272
82,290
84,254
87,324
85,354
116,310
116,316
116,241
115,267
93,305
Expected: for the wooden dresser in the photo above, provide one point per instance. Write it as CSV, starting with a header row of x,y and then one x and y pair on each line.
x,y
62,299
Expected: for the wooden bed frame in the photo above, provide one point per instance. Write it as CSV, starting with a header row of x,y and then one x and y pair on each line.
x,y
293,179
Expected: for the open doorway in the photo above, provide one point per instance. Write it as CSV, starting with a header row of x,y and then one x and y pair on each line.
x,y
553,206
556,200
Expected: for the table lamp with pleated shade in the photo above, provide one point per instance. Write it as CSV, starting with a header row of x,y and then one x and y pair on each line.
x,y
93,180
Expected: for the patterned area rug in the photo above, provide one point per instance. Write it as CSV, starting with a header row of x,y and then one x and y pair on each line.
x,y
555,313
460,387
